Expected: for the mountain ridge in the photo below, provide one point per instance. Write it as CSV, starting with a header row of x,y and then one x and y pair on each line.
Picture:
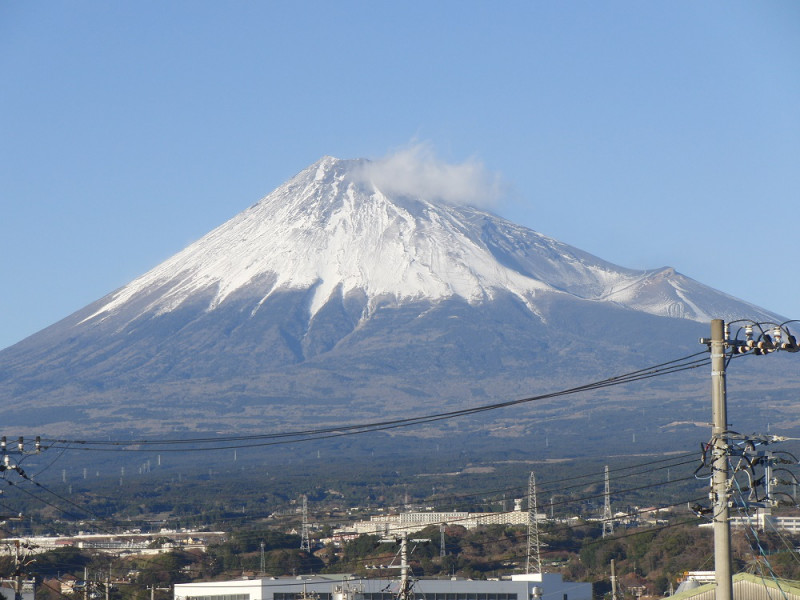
x,y
329,301
329,228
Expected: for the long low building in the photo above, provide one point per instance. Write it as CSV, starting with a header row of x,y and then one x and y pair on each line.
x,y
547,586
764,520
119,543
411,522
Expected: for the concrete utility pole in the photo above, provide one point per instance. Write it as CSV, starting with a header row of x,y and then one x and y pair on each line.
x,y
613,581
773,337
719,450
405,584
263,561
17,573
405,590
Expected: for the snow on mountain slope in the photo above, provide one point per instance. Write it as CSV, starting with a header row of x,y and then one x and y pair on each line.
x,y
333,230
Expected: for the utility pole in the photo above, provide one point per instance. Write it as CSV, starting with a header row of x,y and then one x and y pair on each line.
x,y
442,551
613,581
6,464
263,562
405,590
17,573
719,451
773,337
405,585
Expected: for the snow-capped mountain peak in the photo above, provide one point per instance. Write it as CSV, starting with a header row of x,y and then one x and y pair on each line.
x,y
333,230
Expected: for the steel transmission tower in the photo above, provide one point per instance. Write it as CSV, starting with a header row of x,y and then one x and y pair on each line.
x,y
534,562
608,519
305,542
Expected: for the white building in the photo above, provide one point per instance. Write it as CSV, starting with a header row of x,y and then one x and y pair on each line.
x,y
547,586
763,520
410,522
119,543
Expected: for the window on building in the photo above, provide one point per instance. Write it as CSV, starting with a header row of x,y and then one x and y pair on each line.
x,y
221,597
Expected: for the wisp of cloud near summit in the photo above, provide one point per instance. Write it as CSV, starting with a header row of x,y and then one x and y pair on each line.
x,y
417,172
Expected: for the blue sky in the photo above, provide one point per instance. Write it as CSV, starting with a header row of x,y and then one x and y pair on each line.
x,y
647,133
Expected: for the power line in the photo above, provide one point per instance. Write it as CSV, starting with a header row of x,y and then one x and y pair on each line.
x,y
256,440
552,485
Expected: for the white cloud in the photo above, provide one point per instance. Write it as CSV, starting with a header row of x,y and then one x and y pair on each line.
x,y
415,171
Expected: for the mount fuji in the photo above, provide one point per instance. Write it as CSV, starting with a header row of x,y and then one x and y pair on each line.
x,y
337,299
333,234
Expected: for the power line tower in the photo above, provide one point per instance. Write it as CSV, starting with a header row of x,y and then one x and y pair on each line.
x,y
305,542
534,561
608,519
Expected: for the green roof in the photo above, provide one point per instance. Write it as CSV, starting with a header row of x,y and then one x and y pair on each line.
x,y
786,585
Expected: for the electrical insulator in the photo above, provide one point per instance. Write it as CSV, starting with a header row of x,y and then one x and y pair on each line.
x,y
790,344
766,343
21,444
38,443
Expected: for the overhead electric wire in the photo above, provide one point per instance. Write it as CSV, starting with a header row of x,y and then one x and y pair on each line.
x,y
548,486
561,526
279,438
567,501
564,502
521,535
51,463
38,498
110,521
669,367
84,509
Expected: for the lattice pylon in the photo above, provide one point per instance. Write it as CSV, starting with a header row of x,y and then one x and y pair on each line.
x,y
608,518
305,542
533,563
